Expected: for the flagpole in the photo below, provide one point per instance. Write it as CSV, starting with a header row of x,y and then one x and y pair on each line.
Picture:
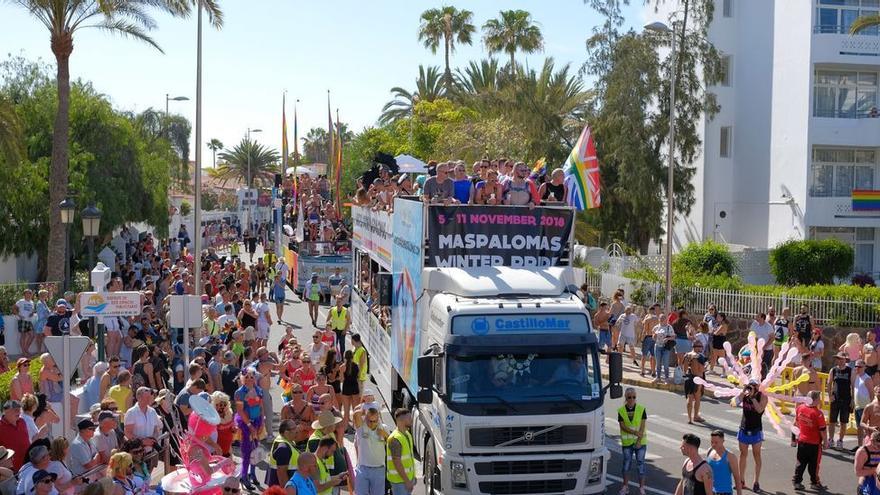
x,y
329,136
337,174
279,212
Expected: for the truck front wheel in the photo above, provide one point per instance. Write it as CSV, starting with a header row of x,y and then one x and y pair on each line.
x,y
432,471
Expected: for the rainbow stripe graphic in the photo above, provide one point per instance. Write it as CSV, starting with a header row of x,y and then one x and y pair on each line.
x,y
865,200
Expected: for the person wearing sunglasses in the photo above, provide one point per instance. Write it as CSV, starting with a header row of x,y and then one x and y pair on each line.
x,y
231,486
633,420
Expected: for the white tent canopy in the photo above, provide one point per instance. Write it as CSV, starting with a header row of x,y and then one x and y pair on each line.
x,y
411,164
312,169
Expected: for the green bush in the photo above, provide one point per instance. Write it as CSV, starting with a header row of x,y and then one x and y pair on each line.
x,y
811,262
6,379
706,258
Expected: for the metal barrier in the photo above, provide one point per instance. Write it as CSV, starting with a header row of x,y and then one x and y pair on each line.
x,y
787,407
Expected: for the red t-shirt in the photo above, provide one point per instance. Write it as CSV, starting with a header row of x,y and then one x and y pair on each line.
x,y
811,422
15,437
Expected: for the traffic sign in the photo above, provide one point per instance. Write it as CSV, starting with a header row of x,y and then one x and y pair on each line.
x,y
110,303
186,311
55,346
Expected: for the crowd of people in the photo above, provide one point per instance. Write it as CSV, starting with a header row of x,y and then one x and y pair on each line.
x,y
695,347
490,182
136,408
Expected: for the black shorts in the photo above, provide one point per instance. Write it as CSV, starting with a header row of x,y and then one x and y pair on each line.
x,y
838,410
718,342
690,387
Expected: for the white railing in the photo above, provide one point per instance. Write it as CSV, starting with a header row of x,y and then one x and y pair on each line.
x,y
739,304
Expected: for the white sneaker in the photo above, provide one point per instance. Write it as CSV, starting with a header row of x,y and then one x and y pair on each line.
x,y
624,490
840,444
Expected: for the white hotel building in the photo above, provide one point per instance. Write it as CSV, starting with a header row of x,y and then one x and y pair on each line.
x,y
795,134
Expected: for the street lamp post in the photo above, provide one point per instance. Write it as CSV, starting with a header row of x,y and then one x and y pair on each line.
x,y
172,98
91,219
68,210
659,27
248,184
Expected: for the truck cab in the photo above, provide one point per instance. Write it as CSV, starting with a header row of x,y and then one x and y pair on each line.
x,y
511,396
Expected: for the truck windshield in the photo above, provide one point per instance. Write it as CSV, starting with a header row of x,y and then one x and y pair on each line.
x,y
526,377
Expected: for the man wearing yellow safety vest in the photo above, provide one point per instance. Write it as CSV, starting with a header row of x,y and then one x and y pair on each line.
x,y
339,321
399,455
283,455
323,481
633,420
360,358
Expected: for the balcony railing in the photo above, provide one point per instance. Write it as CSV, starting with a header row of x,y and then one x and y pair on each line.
x,y
839,29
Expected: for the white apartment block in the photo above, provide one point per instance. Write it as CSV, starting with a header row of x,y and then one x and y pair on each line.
x,y
798,128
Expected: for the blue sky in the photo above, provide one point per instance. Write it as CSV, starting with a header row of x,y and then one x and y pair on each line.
x,y
356,49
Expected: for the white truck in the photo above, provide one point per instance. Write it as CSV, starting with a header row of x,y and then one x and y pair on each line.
x,y
490,346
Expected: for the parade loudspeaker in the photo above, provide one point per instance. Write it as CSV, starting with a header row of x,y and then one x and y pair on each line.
x,y
385,289
277,180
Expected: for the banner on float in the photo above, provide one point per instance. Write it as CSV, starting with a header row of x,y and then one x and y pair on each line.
x,y
378,343
324,266
476,236
406,273
372,232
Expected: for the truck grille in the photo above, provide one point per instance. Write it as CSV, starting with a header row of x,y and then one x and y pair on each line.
x,y
530,486
527,435
527,467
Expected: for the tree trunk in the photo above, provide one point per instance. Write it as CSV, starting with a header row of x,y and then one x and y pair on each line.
x,y
448,74
512,63
214,152
62,47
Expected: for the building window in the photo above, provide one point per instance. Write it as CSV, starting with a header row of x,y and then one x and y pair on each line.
x,y
861,239
836,16
727,8
844,94
835,172
726,135
724,77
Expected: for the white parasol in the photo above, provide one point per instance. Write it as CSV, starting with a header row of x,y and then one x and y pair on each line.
x,y
411,164
204,410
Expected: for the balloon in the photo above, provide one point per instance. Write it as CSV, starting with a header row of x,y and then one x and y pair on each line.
x,y
778,366
785,387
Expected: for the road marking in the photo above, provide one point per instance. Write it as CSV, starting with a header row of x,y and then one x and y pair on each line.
x,y
770,435
636,485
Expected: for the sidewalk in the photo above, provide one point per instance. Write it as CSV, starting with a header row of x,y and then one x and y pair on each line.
x,y
631,376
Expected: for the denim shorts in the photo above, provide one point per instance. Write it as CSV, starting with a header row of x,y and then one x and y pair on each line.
x,y
639,453
683,345
648,347
604,338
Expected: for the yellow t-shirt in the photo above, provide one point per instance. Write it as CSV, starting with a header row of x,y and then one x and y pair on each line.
x,y
120,395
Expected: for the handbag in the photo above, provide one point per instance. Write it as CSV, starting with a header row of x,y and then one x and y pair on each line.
x,y
677,377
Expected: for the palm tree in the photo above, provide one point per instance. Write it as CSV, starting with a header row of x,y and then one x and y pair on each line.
x,y
215,144
428,88
316,145
513,31
864,22
449,25
63,18
262,164
10,133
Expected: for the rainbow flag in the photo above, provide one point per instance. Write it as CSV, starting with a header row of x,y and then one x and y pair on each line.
x,y
582,173
865,200
540,168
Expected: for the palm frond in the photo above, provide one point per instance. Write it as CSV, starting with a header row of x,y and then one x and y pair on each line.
x,y
864,22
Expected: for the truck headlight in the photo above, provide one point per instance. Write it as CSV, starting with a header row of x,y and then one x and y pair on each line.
x,y
596,467
459,474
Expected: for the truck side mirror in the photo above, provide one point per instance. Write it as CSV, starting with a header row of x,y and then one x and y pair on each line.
x,y
426,372
425,396
615,368
615,391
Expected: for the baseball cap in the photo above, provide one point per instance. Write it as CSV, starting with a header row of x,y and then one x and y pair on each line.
x,y
61,302
11,404
42,474
106,415
86,424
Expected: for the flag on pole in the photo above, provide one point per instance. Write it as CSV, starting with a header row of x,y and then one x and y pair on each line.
x,y
540,168
330,140
295,154
337,174
582,173
284,133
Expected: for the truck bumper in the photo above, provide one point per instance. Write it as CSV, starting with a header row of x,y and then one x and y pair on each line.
x,y
568,473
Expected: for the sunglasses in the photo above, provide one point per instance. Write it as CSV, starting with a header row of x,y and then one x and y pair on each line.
x,y
226,489
628,397
46,481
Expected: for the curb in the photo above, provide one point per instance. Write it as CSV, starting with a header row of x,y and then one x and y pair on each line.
x,y
669,387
